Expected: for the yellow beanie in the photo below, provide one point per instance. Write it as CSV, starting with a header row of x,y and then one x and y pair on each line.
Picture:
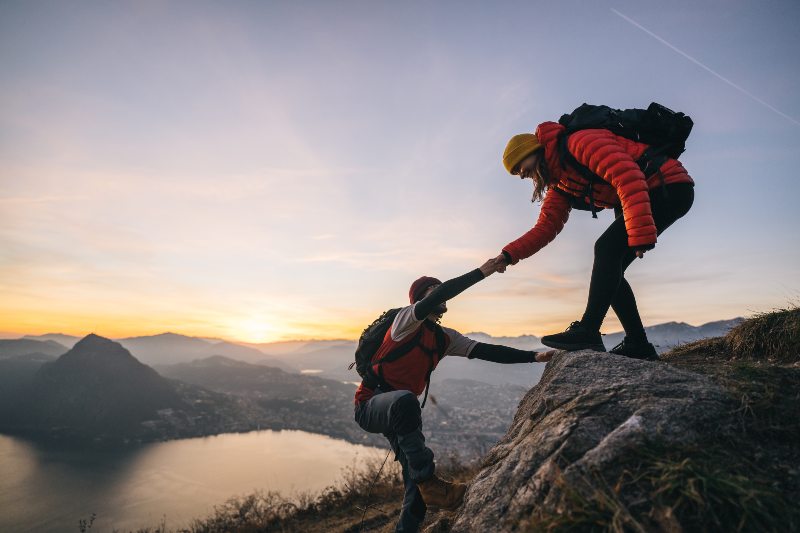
x,y
518,148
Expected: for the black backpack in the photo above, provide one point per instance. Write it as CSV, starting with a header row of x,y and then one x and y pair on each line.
x,y
663,129
371,340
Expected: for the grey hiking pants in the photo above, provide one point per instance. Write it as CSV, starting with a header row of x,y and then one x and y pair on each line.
x,y
397,415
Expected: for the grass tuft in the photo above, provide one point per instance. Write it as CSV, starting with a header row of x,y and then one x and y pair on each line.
x,y
711,489
772,338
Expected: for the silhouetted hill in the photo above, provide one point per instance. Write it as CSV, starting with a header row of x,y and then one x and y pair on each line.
x,y
61,338
25,346
98,386
16,376
98,391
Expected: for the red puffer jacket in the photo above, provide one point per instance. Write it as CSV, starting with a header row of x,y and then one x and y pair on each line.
x,y
612,158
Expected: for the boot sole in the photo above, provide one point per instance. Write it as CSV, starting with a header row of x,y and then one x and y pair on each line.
x,y
574,347
639,357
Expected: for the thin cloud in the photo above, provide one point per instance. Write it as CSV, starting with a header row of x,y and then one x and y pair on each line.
x,y
707,68
25,200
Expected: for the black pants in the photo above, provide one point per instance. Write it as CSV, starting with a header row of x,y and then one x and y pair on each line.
x,y
397,415
612,257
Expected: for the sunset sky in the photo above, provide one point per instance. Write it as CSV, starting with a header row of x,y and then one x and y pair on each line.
x,y
261,171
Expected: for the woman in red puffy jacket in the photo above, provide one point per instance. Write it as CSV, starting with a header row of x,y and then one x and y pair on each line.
x,y
644,205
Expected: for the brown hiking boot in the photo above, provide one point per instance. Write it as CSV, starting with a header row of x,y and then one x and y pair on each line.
x,y
439,493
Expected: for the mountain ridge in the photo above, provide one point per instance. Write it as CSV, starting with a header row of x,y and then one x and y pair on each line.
x,y
302,345
98,392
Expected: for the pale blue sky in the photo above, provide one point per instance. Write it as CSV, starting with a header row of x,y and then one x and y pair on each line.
x,y
262,170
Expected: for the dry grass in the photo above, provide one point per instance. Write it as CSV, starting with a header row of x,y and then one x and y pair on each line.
x,y
710,489
338,508
772,338
332,508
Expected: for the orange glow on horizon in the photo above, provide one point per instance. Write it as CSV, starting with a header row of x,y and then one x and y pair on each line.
x,y
250,330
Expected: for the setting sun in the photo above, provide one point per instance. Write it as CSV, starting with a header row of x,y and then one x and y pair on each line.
x,y
256,329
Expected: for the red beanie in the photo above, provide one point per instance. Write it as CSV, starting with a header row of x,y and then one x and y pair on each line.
x,y
418,288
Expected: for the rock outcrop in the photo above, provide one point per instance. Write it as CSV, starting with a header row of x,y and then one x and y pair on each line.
x,y
705,439
588,412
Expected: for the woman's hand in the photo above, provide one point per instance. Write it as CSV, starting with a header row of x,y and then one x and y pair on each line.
x,y
501,262
639,251
491,266
543,357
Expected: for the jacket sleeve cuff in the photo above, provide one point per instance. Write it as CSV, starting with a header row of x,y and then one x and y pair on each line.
x,y
509,258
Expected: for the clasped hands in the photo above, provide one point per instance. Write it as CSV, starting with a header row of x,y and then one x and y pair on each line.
x,y
495,264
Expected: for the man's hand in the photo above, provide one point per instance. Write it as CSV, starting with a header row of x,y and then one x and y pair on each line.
x,y
639,253
501,263
543,357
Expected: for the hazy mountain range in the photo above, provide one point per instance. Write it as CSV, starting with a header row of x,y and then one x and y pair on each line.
x,y
99,392
162,349
102,390
330,358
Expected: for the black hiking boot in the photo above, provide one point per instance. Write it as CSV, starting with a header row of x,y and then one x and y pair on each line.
x,y
576,337
635,350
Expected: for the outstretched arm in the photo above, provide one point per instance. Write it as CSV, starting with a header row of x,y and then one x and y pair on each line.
x,y
452,288
507,355
552,217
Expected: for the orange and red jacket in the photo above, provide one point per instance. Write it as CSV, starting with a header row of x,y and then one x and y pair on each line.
x,y
610,157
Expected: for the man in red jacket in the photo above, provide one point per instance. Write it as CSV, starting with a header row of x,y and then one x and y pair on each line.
x,y
391,406
644,206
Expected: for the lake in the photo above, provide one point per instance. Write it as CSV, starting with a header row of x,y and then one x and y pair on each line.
x,y
45,489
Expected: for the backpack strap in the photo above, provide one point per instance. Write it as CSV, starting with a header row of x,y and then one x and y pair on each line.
x,y
406,347
649,163
401,350
441,345
565,156
393,355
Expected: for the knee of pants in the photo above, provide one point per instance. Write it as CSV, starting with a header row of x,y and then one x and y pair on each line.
x,y
405,414
605,247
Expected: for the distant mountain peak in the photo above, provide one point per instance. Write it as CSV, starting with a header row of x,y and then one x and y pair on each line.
x,y
167,335
93,339
98,352
95,343
171,334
